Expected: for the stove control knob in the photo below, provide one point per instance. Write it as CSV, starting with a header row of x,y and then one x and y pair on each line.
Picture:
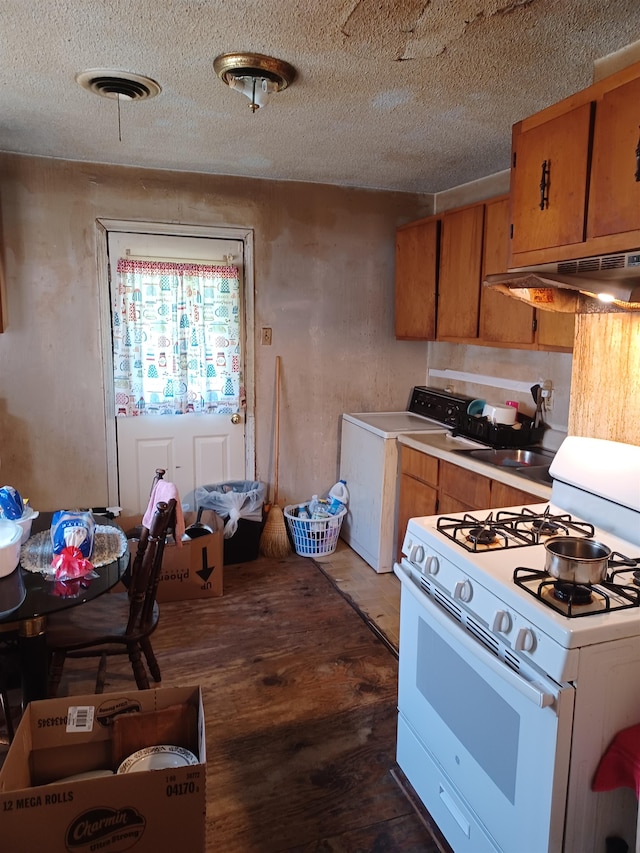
x,y
525,640
416,553
463,590
431,565
501,622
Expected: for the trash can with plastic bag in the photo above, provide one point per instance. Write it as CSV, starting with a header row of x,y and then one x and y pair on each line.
x,y
241,504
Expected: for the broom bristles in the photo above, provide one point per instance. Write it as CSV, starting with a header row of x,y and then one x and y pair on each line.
x,y
274,541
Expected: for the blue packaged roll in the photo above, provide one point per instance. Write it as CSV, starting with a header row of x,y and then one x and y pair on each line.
x,y
73,529
11,504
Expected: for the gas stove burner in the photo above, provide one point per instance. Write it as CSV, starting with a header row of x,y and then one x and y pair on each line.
x,y
545,527
618,563
573,600
545,524
482,535
575,593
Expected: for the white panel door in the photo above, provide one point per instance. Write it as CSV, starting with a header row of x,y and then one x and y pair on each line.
x,y
194,449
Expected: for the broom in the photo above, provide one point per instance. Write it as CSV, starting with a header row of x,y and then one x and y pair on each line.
x,y
274,541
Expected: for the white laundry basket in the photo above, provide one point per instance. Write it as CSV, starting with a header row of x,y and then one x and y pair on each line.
x,y
313,537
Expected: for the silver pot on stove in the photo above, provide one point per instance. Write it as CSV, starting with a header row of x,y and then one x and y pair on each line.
x,y
576,560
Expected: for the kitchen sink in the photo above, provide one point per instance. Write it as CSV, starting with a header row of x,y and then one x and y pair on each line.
x,y
531,463
512,457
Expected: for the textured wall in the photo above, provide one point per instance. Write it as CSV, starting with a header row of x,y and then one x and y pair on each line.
x,y
323,279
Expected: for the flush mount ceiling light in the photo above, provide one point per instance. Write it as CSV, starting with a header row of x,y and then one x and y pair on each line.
x,y
118,84
254,75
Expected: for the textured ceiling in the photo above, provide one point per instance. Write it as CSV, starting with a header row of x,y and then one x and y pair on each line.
x,y
413,95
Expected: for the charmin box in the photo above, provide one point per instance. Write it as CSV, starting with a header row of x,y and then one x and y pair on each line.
x,y
146,811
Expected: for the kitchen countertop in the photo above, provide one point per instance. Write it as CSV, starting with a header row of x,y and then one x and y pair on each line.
x,y
442,445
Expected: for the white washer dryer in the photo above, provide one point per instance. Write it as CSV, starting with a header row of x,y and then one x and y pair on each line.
x,y
369,464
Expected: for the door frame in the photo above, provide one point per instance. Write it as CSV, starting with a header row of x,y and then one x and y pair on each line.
x,y
245,235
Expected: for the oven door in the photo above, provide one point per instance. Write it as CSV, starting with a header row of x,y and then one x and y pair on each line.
x,y
485,747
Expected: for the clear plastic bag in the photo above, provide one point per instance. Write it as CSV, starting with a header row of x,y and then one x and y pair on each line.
x,y
233,500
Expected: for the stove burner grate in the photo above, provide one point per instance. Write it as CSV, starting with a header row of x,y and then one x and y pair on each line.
x,y
573,600
546,523
480,535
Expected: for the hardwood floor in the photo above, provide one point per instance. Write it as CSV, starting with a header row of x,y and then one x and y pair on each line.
x,y
375,595
300,687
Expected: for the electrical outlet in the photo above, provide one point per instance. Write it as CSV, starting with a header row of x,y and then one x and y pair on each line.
x,y
547,394
266,336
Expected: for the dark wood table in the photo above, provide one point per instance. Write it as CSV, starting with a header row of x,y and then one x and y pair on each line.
x,y
29,621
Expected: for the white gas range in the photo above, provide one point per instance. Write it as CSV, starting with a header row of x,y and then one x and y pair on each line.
x,y
512,685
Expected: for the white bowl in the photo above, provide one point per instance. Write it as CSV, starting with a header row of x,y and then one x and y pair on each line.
x,y
157,758
10,535
25,522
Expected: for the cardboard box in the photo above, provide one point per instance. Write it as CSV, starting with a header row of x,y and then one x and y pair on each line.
x,y
145,811
193,571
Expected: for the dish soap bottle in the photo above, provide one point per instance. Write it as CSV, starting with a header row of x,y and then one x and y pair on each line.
x,y
338,497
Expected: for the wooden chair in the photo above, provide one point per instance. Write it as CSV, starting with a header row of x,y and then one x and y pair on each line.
x,y
116,623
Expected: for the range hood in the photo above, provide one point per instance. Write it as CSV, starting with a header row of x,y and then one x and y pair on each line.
x,y
587,285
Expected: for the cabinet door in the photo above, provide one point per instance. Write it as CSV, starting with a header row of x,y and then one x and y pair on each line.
x,y
555,329
563,145
503,495
502,319
460,268
614,195
448,505
472,489
415,280
420,465
416,499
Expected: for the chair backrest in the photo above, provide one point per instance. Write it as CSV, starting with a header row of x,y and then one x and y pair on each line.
x,y
147,565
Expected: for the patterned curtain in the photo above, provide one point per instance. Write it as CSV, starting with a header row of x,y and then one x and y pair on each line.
x,y
176,338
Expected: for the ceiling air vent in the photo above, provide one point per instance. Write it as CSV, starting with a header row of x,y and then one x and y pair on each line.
x,y
118,84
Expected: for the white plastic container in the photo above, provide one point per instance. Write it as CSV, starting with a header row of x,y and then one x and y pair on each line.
x,y
338,497
25,522
10,535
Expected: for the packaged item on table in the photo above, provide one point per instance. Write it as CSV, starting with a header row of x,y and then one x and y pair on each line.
x,y
11,504
71,529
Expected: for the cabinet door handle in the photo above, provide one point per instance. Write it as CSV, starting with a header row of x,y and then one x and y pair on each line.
x,y
544,184
638,160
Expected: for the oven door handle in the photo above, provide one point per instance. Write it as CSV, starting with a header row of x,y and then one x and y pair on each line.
x,y
530,690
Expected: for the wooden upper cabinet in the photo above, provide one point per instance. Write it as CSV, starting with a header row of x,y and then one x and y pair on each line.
x,y
554,154
416,280
502,319
614,198
460,268
555,330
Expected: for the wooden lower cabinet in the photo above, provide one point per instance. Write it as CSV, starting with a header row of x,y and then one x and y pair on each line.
x,y
416,499
431,486
502,495
448,505
418,489
473,491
